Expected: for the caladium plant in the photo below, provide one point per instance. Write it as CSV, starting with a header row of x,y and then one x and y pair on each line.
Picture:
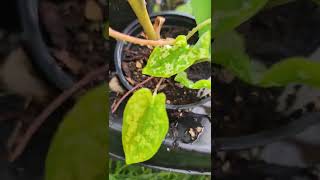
x,y
145,120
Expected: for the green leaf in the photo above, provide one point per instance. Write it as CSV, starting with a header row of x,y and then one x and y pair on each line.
x,y
79,148
203,47
183,80
229,52
292,70
228,14
167,61
202,11
145,125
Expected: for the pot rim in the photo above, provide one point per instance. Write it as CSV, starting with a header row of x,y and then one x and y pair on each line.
x,y
118,52
267,136
35,45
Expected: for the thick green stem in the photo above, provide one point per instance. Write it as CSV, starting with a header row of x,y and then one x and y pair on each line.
x,y
140,9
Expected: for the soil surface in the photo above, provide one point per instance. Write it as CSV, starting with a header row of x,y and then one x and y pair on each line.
x,y
73,32
135,58
242,109
283,31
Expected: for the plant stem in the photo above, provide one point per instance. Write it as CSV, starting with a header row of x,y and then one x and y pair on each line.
x,y
157,25
158,86
142,42
140,9
198,27
115,107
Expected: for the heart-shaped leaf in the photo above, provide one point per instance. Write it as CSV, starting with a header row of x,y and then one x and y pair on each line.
x,y
145,125
167,61
79,149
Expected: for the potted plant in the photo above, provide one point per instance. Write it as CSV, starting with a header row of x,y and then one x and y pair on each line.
x,y
248,91
138,64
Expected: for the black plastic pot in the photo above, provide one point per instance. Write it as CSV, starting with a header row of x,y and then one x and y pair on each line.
x,y
34,42
174,155
172,18
36,47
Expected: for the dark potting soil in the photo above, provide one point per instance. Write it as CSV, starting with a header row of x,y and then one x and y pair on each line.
x,y
283,31
135,58
242,109
273,34
73,32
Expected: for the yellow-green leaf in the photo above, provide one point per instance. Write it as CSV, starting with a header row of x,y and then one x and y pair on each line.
x,y
292,70
79,149
169,60
183,79
145,125
201,9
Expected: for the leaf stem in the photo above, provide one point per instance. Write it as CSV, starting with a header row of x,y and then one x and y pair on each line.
x,y
198,27
140,9
158,86
115,107
141,42
157,25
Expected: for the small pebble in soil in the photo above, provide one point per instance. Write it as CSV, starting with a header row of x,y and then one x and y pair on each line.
x,y
192,134
93,11
138,65
199,129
